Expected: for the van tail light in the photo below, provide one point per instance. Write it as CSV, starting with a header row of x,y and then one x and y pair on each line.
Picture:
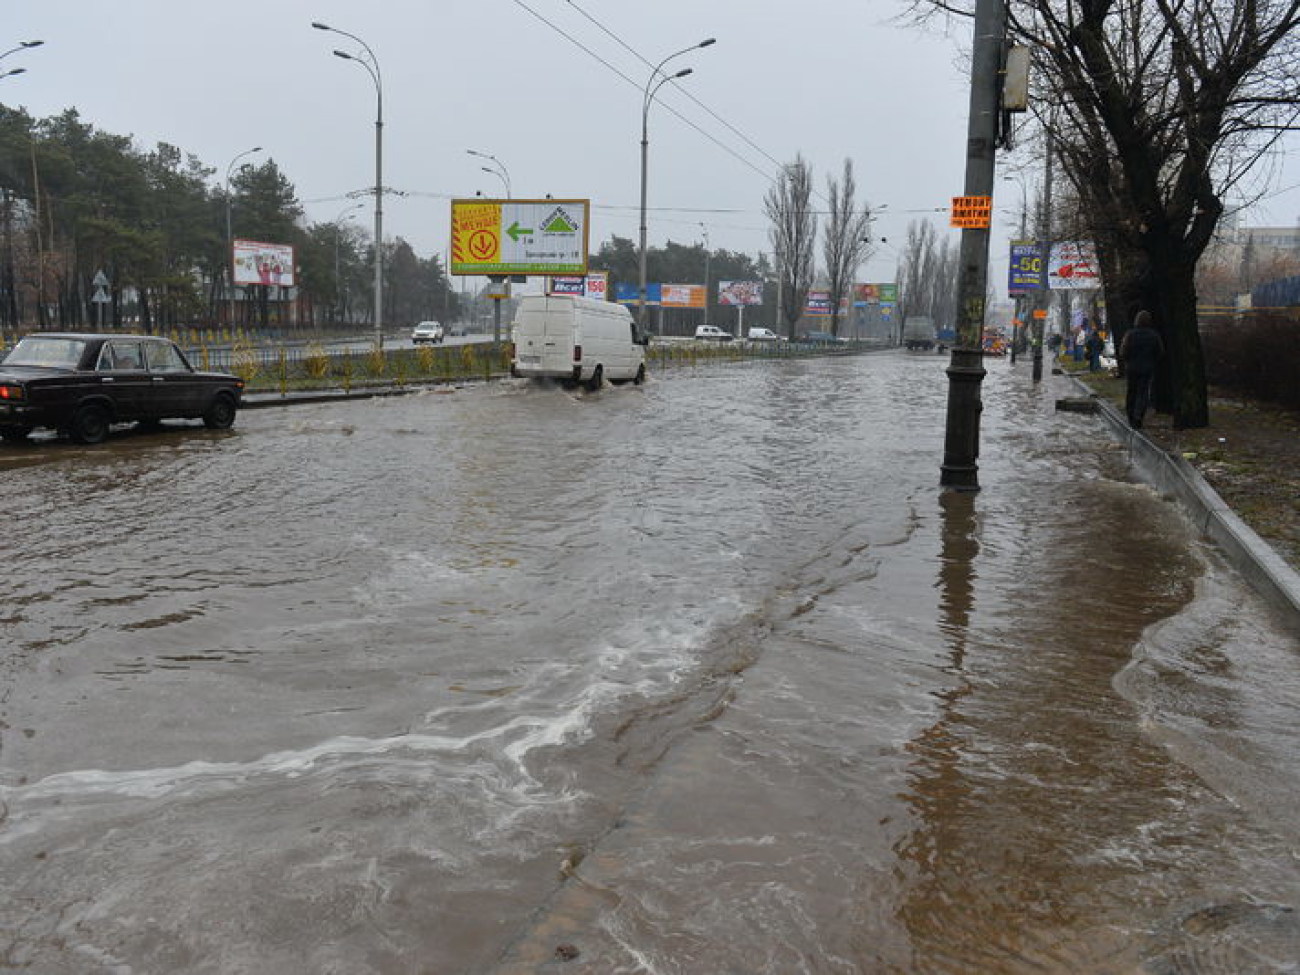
x,y
11,392
577,353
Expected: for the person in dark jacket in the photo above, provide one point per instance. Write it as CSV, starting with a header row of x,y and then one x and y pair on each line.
x,y
1141,349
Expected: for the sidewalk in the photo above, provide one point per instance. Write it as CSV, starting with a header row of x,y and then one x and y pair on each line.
x,y
1257,561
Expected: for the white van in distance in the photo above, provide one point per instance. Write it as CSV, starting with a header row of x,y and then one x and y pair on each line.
x,y
576,340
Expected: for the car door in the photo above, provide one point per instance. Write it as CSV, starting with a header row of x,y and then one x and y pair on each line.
x,y
124,379
174,390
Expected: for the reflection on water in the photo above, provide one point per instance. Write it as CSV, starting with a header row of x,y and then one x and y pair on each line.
x,y
701,676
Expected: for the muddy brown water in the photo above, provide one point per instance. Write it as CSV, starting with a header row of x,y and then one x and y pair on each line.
x,y
705,676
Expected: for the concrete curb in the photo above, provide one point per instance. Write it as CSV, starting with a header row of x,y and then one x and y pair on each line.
x,y
1254,558
261,400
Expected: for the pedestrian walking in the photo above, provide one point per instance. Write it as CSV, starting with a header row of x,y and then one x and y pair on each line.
x,y
1139,352
1092,346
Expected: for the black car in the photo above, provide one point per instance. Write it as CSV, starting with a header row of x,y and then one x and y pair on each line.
x,y
82,384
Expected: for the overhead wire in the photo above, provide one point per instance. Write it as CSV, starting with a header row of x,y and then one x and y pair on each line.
x,y
639,87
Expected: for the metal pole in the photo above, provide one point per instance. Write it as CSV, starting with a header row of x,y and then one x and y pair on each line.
x,y
1042,298
648,97
641,260
960,469
230,239
705,231
379,215
372,69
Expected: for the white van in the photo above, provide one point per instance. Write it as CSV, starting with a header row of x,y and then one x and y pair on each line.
x,y
577,340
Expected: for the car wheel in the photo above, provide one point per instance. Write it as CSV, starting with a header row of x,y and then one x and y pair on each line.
x,y
14,434
221,414
597,380
640,374
89,425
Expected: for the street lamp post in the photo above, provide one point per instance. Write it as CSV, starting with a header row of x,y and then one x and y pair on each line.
x,y
371,64
230,239
651,89
500,171
705,231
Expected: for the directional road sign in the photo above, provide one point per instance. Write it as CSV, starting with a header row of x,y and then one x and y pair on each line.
x,y
519,236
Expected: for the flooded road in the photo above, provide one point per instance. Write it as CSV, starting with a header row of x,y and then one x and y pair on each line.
x,y
704,676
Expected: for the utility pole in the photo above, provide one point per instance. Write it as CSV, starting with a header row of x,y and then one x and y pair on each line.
x,y
1042,297
960,470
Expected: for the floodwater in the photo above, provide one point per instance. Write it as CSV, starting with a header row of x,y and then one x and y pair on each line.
x,y
701,677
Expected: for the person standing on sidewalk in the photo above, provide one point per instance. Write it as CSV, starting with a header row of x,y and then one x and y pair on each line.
x,y
1139,352
1092,347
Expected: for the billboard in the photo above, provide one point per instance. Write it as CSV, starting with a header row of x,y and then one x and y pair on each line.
x,y
681,295
1072,267
818,303
630,294
519,236
874,294
740,292
594,285
1025,268
256,262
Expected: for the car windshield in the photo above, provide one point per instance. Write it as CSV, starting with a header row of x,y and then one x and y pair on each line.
x,y
41,351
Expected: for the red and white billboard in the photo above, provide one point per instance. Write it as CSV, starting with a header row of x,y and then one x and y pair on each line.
x,y
257,262
740,292
1072,267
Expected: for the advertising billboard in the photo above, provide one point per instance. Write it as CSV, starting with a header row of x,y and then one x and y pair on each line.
x,y
681,295
818,303
519,236
594,286
256,262
874,294
740,292
1073,267
630,294
1025,268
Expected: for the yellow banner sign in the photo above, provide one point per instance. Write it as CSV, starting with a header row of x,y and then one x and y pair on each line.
x,y
475,233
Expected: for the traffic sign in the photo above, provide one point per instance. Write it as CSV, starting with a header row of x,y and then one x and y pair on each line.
x,y
100,280
100,297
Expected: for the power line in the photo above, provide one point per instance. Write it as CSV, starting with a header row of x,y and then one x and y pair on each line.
x,y
569,37
618,40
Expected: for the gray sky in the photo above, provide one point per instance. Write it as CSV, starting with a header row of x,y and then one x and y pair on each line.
x,y
828,79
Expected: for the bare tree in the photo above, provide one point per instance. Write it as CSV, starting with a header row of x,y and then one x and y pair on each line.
x,y
793,235
847,240
1167,109
927,275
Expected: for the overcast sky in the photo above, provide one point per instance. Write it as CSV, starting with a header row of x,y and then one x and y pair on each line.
x,y
827,79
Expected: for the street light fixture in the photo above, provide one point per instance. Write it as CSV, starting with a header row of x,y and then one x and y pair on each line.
x,y
500,172
22,46
499,175
652,87
230,239
372,68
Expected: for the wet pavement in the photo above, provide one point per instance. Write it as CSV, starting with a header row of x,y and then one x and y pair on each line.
x,y
702,676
